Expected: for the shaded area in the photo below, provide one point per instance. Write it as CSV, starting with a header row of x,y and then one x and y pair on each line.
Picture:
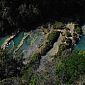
x,y
25,15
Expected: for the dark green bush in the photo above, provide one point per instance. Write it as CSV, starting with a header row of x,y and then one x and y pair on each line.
x,y
35,57
62,47
53,36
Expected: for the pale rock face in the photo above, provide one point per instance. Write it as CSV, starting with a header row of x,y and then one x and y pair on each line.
x,y
71,26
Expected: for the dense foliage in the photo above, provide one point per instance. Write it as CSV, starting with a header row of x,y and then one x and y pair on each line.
x,y
13,71
25,15
68,70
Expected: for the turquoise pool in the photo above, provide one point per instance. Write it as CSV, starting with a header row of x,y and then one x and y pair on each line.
x,y
25,42
81,44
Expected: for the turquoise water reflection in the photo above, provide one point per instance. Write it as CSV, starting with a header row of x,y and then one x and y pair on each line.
x,y
24,42
81,44
18,39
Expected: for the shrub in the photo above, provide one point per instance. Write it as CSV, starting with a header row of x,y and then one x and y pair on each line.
x,y
35,57
34,80
58,25
62,47
78,30
53,36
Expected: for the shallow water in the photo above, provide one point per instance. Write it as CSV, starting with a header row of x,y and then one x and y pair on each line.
x,y
24,43
81,44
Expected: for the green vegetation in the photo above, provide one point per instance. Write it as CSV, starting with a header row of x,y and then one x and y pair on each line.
x,y
25,15
62,47
27,74
46,47
53,36
58,25
78,30
34,80
35,57
65,46
10,67
51,39
68,70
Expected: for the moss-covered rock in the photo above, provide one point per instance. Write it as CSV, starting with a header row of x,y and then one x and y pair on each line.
x,y
53,36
